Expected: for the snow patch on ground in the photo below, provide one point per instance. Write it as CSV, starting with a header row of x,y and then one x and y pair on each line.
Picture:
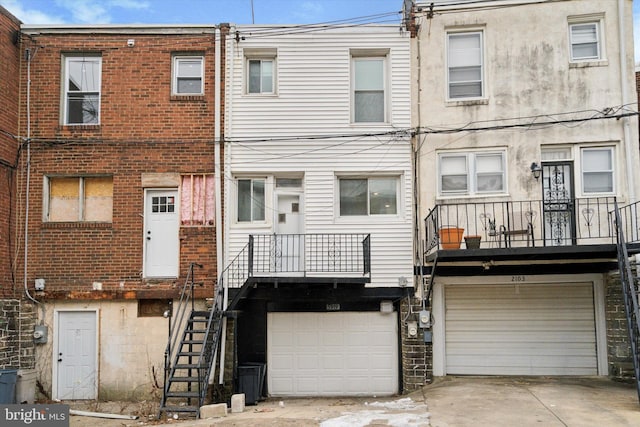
x,y
394,413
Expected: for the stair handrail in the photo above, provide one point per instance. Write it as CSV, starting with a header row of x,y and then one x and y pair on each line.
x,y
176,319
632,308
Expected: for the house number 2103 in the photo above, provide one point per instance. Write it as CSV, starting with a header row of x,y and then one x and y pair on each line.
x,y
518,278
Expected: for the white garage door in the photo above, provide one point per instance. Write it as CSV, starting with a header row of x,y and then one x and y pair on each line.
x,y
520,330
332,354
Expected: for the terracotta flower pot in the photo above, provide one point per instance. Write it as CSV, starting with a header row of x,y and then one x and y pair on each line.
x,y
450,237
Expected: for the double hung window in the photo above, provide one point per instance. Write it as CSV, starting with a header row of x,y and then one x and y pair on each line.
x,y
251,200
472,173
82,82
465,65
368,89
260,75
597,170
585,41
188,75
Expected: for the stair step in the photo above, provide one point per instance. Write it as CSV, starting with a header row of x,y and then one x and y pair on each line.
x,y
184,379
189,394
187,366
192,341
185,408
188,353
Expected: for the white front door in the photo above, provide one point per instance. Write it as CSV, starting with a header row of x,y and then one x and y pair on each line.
x,y
161,239
76,355
289,242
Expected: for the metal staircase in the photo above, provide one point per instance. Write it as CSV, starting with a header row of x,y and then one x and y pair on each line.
x,y
631,293
188,362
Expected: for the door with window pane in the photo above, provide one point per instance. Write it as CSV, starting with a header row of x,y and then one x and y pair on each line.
x,y
558,204
288,244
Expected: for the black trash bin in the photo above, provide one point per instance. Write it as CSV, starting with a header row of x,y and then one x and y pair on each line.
x,y
8,379
249,383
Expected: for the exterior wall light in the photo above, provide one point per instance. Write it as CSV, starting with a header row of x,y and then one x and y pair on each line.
x,y
536,170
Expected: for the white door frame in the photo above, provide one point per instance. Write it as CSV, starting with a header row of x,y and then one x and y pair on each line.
x,y
145,272
301,255
54,356
438,304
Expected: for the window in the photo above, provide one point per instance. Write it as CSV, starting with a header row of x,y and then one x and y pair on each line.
x,y
597,170
188,75
197,206
82,90
260,76
251,198
73,199
368,90
368,196
585,41
465,64
472,173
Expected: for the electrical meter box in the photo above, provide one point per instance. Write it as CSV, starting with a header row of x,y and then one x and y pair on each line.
x,y
424,318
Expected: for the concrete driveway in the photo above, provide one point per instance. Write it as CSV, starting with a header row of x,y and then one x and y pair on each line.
x,y
448,402
531,401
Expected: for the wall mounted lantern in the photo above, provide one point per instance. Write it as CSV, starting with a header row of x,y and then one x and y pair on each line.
x,y
536,170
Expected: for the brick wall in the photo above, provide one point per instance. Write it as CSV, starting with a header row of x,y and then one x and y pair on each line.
x,y
417,359
9,86
618,345
143,129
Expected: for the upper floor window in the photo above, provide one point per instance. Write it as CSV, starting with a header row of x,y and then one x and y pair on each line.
x,y
472,173
251,200
188,75
368,89
597,170
585,41
74,199
260,75
465,65
368,196
197,206
82,79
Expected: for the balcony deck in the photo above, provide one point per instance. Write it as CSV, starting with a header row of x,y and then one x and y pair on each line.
x,y
527,237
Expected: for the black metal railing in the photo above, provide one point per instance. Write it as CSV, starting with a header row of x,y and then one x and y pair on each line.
x,y
521,223
629,222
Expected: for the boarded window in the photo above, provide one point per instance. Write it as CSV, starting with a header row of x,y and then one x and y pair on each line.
x,y
73,199
197,200
154,307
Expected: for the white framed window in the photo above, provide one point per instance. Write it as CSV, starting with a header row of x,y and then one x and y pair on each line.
x,y
197,202
188,75
82,82
585,41
597,164
368,196
251,200
261,75
78,199
465,65
473,173
369,99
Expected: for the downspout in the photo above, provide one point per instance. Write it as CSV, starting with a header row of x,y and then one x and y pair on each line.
x,y
624,87
29,57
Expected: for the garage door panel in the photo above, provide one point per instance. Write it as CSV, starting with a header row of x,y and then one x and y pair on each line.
x,y
343,353
520,329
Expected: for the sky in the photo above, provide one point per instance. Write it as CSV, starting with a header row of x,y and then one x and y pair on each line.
x,y
217,11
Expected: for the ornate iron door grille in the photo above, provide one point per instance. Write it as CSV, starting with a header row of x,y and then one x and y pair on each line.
x,y
558,204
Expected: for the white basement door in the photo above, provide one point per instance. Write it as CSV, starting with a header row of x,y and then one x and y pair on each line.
x,y
533,329
332,354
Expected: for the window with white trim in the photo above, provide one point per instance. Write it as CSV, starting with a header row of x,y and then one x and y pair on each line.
x,y
78,199
597,170
261,75
368,196
585,41
465,65
473,173
369,90
197,205
251,200
82,81
188,75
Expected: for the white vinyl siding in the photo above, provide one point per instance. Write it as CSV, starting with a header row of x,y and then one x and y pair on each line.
x,y
465,65
597,170
82,82
188,75
520,329
585,41
332,354
314,97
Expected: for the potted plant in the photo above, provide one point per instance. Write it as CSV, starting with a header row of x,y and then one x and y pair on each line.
x,y
451,237
472,241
